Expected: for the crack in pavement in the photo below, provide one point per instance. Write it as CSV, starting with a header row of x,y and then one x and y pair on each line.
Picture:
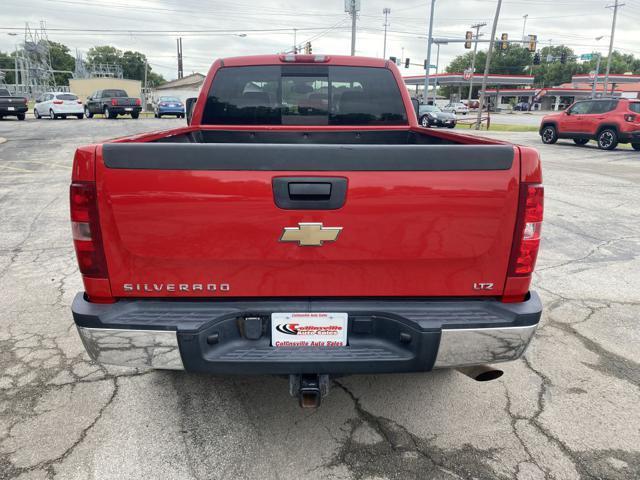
x,y
403,455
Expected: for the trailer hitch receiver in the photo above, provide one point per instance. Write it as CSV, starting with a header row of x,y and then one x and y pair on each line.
x,y
310,389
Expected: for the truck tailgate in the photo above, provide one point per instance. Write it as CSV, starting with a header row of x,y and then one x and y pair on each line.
x,y
201,220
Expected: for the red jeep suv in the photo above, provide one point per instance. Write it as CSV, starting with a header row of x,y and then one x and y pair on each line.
x,y
608,121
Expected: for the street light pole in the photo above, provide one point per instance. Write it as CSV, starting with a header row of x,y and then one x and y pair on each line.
x,y
524,27
435,83
352,10
477,26
487,64
386,13
613,32
595,78
429,40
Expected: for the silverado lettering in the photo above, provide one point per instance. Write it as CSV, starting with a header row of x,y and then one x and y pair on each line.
x,y
173,287
306,182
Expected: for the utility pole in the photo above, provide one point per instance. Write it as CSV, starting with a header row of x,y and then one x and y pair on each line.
x,y
524,27
295,42
613,32
477,26
386,13
352,6
487,64
146,87
429,40
180,71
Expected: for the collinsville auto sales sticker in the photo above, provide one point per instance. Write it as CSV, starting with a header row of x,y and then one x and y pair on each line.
x,y
311,329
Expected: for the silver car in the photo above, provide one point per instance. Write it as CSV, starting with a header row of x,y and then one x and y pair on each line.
x,y
457,108
58,105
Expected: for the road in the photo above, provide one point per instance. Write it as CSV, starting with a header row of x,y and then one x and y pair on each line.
x,y
568,410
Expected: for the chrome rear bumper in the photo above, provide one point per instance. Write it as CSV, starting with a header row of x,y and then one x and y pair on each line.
x,y
474,346
133,348
160,349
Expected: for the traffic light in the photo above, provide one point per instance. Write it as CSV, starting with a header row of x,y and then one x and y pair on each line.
x,y
468,37
563,57
307,48
407,63
533,43
504,44
536,59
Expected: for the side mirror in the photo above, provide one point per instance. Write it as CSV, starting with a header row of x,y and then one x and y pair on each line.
x,y
416,106
189,106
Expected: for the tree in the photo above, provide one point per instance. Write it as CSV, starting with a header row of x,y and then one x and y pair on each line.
x,y
104,54
515,60
132,63
552,73
61,59
7,63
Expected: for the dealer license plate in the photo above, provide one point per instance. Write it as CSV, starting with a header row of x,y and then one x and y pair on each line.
x,y
310,329
128,109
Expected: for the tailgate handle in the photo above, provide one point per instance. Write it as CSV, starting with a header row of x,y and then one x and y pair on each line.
x,y
309,193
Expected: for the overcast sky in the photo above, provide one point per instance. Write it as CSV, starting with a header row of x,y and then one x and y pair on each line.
x,y
575,23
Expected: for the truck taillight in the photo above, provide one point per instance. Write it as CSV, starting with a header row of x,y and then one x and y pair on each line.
x,y
138,102
114,102
85,227
527,237
630,117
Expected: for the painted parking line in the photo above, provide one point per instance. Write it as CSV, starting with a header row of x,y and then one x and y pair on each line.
x,y
49,164
17,169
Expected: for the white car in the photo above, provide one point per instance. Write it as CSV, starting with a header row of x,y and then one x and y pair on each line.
x,y
58,105
456,108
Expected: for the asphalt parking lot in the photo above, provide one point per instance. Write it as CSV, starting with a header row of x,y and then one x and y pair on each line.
x,y
570,409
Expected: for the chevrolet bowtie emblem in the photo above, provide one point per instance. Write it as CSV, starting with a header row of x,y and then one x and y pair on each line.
x,y
310,234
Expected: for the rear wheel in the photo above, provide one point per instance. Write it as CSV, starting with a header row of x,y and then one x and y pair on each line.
x,y
424,121
135,115
64,117
109,114
52,116
549,135
453,125
87,112
21,116
36,114
80,116
607,139
636,146
581,141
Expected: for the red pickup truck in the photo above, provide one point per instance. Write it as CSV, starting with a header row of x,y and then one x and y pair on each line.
x,y
304,224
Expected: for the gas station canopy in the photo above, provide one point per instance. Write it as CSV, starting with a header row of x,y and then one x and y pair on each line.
x,y
458,80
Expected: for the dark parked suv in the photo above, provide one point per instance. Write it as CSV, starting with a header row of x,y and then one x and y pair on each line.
x,y
608,121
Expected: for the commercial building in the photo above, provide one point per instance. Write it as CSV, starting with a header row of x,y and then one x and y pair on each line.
x,y
182,88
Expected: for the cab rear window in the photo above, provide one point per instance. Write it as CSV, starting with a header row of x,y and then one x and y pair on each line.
x,y
304,95
634,107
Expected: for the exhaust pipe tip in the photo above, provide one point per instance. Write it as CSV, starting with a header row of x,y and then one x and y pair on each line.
x,y
481,373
